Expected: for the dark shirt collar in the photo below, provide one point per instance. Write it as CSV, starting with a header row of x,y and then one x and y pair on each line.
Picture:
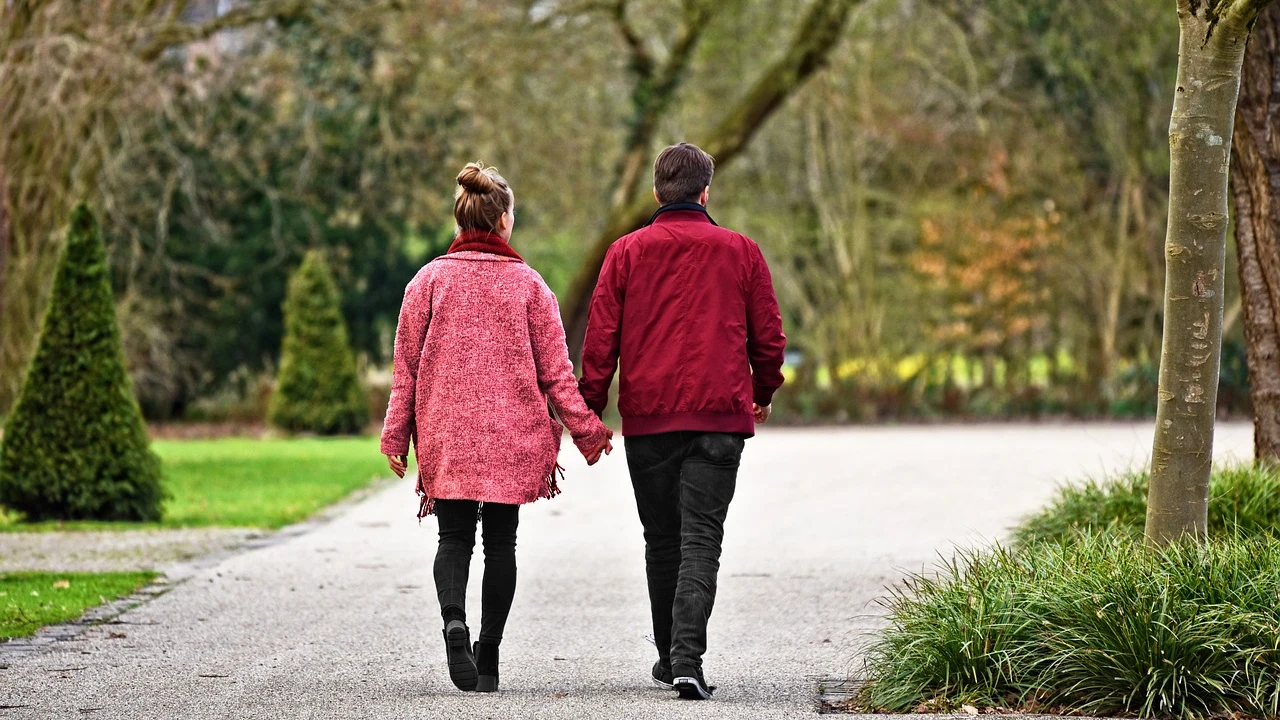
x,y
682,211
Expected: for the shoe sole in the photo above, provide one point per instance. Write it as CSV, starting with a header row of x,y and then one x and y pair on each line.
x,y
690,689
462,669
662,685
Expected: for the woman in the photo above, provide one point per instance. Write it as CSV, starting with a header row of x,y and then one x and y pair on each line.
x,y
480,365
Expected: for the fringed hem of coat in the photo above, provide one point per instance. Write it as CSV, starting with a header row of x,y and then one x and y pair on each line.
x,y
427,503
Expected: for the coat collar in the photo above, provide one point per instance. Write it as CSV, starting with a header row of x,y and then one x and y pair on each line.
x,y
483,241
478,256
682,211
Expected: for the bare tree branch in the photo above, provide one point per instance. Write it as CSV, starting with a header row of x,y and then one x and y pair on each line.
x,y
641,60
1248,10
810,46
697,16
819,33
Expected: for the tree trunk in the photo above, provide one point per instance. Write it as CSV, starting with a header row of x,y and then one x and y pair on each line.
x,y
1211,50
1115,291
817,36
6,237
1255,181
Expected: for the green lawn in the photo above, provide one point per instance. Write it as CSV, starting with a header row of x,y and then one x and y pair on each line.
x,y
29,601
249,483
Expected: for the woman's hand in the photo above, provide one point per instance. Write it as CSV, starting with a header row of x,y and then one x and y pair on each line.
x,y
605,447
398,464
761,413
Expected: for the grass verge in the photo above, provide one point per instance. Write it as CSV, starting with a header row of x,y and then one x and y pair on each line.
x,y
1243,500
1098,625
32,600
244,482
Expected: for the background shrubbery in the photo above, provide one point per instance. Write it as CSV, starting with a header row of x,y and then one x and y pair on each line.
x,y
976,236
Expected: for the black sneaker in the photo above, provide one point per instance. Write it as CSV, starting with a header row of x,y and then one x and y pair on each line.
x,y
687,680
662,676
462,663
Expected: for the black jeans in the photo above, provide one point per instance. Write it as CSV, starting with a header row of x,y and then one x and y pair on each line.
x,y
453,560
683,482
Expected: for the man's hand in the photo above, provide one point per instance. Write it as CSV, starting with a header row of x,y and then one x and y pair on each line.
x,y
605,447
761,413
398,464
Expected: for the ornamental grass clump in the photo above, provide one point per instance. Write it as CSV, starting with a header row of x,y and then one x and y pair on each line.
x,y
1244,500
1098,625
956,636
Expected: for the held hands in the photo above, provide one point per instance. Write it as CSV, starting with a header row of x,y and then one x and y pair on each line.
x,y
398,464
761,413
605,447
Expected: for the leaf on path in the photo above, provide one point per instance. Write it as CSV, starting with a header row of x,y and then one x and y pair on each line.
x,y
969,709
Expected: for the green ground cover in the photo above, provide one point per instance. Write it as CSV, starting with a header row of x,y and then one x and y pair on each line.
x,y
241,482
1079,617
1243,500
31,600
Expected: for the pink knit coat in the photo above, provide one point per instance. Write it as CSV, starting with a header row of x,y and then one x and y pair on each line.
x,y
480,359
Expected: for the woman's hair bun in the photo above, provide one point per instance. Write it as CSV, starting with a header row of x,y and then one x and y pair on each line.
x,y
474,179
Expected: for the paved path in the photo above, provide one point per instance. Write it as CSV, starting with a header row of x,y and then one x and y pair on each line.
x,y
122,550
341,622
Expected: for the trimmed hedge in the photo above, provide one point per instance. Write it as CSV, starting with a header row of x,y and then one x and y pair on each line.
x,y
318,389
75,446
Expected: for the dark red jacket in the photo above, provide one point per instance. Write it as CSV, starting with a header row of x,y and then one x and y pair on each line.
x,y
689,309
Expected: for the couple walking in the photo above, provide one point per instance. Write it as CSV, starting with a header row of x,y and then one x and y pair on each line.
x,y
483,382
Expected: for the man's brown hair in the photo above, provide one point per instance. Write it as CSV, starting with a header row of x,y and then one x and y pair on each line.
x,y
681,172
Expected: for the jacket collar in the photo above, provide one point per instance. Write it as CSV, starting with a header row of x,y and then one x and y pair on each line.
x,y
672,212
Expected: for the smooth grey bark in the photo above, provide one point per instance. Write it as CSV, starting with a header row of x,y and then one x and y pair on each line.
x,y
1213,34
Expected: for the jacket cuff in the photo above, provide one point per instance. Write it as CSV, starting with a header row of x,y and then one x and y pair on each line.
x,y
763,396
590,441
595,403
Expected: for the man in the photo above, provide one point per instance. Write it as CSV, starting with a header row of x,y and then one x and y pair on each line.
x,y
689,308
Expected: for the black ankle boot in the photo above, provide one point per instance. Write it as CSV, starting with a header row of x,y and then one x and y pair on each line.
x,y
486,666
462,664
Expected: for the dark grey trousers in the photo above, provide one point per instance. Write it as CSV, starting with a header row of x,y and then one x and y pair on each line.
x,y
683,483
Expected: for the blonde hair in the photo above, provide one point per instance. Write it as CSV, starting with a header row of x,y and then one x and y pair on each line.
x,y
481,198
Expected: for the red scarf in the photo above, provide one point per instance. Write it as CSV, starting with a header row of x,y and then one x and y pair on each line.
x,y
483,241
